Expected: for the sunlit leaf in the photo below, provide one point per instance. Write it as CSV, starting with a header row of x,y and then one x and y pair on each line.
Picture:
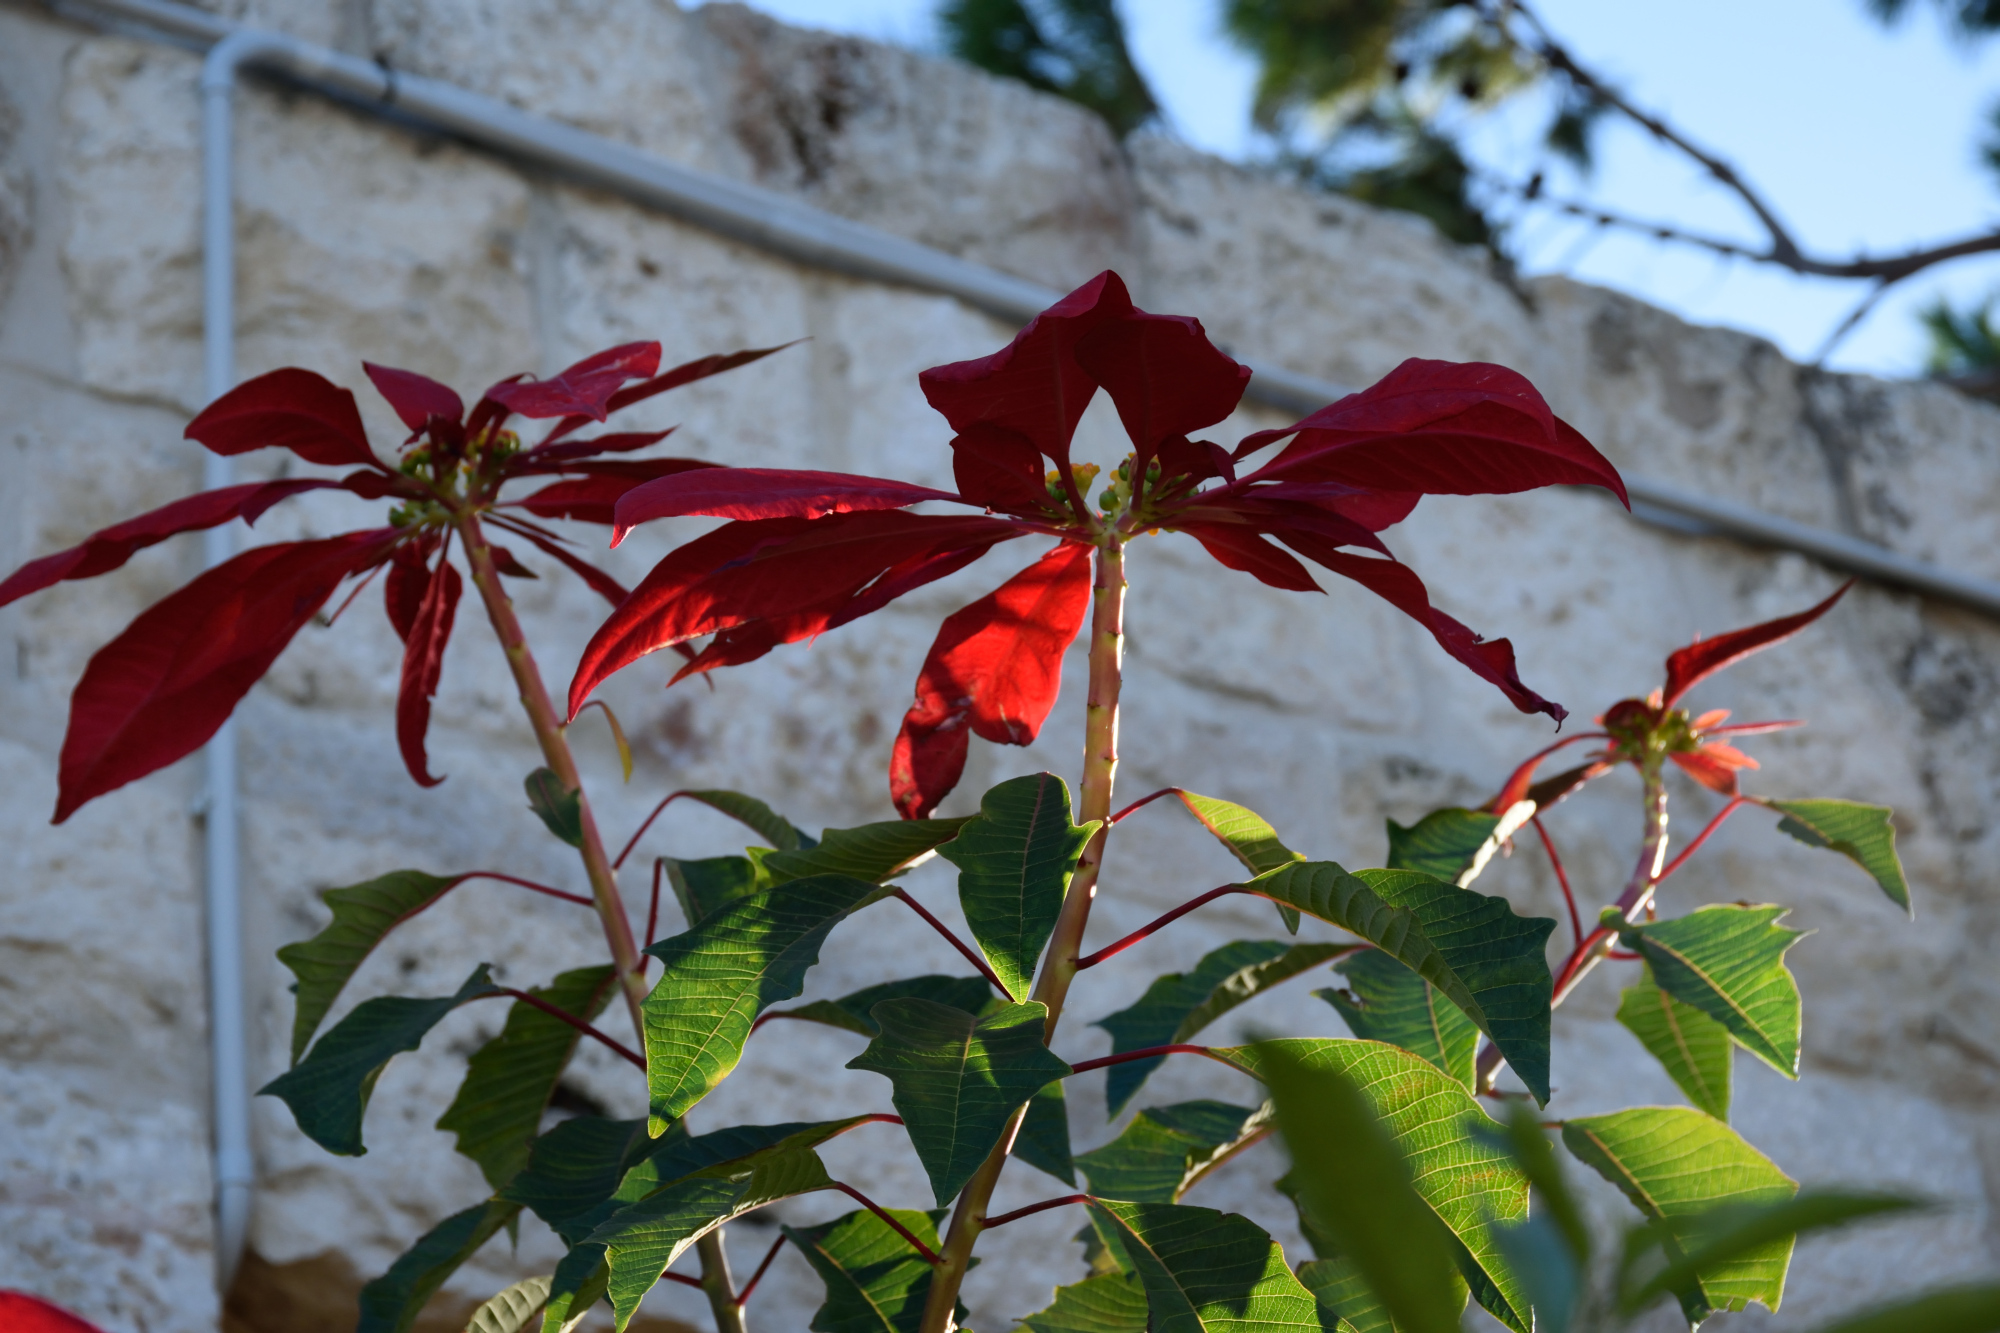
x,y
1249,838
513,1309
1112,1303
1863,834
1678,1166
1693,1048
1466,1177
1208,1272
1729,962
1164,1150
724,971
1385,1001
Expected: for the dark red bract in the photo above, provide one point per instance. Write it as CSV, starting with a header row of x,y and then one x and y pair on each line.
x,y
162,688
811,550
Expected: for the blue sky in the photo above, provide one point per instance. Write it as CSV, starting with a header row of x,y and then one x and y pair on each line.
x,y
1861,138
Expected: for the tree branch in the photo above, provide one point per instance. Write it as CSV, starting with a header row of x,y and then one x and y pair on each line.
x,y
1782,248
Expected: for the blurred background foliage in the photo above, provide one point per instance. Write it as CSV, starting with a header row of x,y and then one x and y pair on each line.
x,y
1375,99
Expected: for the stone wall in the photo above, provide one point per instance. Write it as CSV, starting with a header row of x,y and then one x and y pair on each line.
x,y
1329,715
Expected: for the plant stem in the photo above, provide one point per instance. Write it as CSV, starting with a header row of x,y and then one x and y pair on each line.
x,y
1059,965
1591,950
556,753
597,866
715,1281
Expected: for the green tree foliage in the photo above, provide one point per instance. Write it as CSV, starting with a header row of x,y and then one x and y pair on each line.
x,y
1072,48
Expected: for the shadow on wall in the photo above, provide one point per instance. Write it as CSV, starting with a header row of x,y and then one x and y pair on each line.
x,y
320,1295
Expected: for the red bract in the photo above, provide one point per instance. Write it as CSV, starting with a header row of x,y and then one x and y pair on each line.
x,y
163,686
810,550
994,671
1704,657
1645,731
22,1313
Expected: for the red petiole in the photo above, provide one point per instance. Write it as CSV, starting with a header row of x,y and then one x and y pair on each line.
x,y
1117,947
758,1276
941,928
1034,1208
580,1025
1147,1053
1562,878
930,1255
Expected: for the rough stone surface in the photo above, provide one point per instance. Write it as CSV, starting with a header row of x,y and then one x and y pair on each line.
x,y
1329,715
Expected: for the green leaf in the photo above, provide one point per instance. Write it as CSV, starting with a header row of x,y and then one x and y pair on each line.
x,y
392,1302
641,1239
1113,1303
644,1238
958,1079
362,915
556,805
1103,1251
1444,844
1547,1268
1501,956
509,1080
1385,1001
1968,1309
1043,1140
724,971
1677,1165
705,887
1729,962
512,1309
875,1283
575,1167
328,1091
1346,1301
1249,838
1014,860
1731,1234
577,1181
1165,1149
874,852
754,815
1861,833
1180,1004
576,1288
850,1013
1461,1170
1354,1177
1208,1272
1694,1049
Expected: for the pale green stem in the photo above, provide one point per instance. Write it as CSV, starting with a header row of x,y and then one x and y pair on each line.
x,y
1100,766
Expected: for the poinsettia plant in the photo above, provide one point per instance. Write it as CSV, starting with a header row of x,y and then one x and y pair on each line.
x,y
1443,987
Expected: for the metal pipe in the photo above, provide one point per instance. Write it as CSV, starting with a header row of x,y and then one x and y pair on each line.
x,y
811,236
764,218
235,1169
